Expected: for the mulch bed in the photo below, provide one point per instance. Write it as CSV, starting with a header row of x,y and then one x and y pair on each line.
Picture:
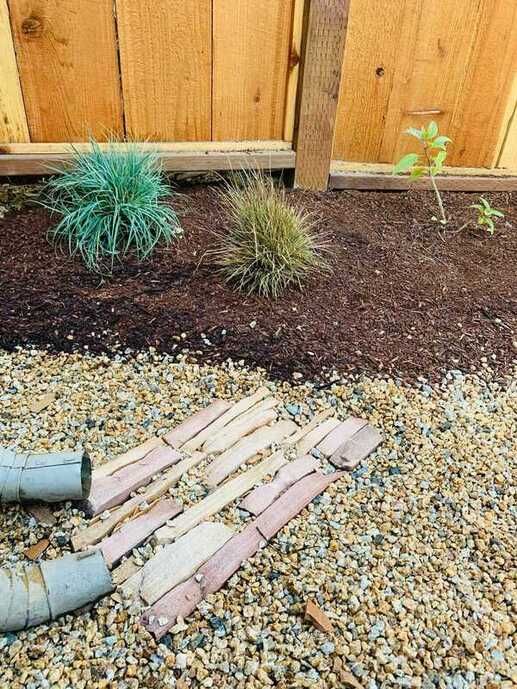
x,y
402,298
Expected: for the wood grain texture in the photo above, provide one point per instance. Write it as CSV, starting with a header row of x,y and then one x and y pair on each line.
x,y
326,27
134,532
293,69
204,148
507,157
38,164
67,60
482,102
458,182
13,121
183,599
407,62
195,423
430,71
250,65
166,65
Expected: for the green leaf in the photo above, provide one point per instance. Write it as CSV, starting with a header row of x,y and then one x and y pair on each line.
x,y
496,213
412,131
432,129
417,172
440,142
405,163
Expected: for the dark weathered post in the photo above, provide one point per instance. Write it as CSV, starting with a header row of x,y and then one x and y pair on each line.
x,y
323,48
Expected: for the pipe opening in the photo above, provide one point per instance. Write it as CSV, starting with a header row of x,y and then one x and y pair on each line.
x,y
86,475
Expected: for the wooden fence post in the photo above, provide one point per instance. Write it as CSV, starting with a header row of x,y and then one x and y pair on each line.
x,y
320,76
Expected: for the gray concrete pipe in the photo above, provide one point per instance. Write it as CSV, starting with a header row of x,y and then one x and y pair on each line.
x,y
49,589
50,477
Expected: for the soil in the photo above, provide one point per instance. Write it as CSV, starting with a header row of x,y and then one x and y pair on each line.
x,y
403,297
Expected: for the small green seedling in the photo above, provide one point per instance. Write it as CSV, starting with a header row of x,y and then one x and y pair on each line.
x,y
430,163
486,214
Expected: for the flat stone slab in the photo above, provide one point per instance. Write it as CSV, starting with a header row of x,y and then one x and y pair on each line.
x,y
108,491
339,435
134,532
178,561
246,448
358,447
183,599
262,496
196,423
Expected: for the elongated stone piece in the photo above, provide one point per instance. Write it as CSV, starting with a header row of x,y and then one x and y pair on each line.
x,y
132,455
178,561
108,491
235,410
313,423
134,532
262,496
210,577
343,432
239,428
314,437
196,423
103,527
221,497
358,447
246,448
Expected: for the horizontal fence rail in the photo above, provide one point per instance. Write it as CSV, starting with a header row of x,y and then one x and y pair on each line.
x,y
327,79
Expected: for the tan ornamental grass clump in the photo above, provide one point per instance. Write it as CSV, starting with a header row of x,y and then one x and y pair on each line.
x,y
269,245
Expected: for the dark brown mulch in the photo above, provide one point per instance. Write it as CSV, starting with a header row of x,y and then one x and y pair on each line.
x,y
402,298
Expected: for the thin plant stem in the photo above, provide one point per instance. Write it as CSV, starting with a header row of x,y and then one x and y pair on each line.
x,y
435,187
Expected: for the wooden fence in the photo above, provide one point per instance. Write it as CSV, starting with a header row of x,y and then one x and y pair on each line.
x,y
263,74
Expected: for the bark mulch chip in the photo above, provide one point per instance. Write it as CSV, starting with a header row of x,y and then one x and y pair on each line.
x,y
403,298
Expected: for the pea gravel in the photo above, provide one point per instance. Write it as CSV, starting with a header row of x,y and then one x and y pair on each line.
x,y
411,556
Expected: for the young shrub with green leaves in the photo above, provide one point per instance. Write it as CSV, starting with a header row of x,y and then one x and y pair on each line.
x,y
429,163
269,245
486,214
112,202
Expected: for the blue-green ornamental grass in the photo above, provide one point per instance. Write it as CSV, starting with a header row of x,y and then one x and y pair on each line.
x,y
113,201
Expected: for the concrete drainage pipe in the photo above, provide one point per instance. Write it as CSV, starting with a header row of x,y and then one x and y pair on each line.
x,y
51,477
45,591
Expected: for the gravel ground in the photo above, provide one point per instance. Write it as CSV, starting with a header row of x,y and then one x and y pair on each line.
x,y
410,556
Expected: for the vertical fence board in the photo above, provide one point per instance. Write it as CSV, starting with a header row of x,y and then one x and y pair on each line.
x,y
508,139
409,62
13,122
480,111
405,64
166,64
369,75
432,75
293,69
250,62
325,32
67,58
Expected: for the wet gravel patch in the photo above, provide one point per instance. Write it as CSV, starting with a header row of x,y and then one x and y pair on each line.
x,y
411,556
